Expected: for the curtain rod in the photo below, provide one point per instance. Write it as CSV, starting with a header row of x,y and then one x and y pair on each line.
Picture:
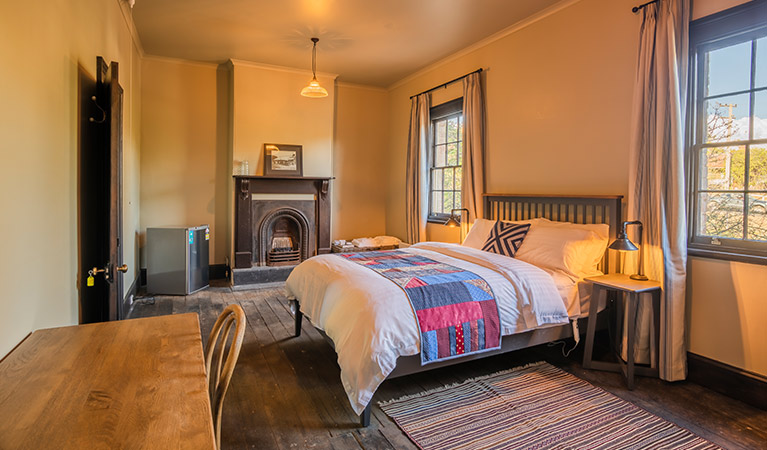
x,y
637,8
448,83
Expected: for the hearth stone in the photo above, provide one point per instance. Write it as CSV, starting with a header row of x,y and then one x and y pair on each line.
x,y
260,275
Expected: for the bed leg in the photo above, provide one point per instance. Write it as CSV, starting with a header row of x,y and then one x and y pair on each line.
x,y
298,315
365,416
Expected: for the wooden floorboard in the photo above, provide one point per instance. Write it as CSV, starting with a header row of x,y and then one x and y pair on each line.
x,y
286,392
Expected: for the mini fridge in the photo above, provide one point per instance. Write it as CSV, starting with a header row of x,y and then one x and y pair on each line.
x,y
177,259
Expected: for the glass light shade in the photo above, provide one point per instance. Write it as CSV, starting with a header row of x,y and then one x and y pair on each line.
x,y
314,89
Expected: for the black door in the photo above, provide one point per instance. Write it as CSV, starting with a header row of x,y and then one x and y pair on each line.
x,y
100,194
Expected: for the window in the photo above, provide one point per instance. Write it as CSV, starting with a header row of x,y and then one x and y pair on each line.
x,y
445,164
728,155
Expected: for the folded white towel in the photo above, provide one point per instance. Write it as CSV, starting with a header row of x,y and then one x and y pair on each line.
x,y
364,242
382,241
339,242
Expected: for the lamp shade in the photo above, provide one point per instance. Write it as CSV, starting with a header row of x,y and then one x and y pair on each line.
x,y
623,244
452,223
314,89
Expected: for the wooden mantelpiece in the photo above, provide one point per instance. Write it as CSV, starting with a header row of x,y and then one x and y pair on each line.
x,y
247,185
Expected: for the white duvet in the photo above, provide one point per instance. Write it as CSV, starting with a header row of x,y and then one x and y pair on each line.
x,y
371,322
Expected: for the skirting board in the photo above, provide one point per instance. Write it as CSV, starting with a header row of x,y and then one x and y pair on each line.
x,y
127,307
215,272
739,384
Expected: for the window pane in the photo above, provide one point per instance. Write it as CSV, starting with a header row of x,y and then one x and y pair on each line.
x,y
723,168
452,154
447,203
458,177
439,132
721,215
439,155
761,62
460,153
727,118
729,69
460,127
436,202
757,217
760,115
448,182
452,129
436,179
758,167
458,199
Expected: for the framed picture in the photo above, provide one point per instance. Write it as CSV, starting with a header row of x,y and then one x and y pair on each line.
x,y
282,160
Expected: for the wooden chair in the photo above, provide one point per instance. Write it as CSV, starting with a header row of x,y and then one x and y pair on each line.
x,y
233,314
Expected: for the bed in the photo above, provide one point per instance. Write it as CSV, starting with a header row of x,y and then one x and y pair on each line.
x,y
375,332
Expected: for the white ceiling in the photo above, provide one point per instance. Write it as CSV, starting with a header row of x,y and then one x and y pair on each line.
x,y
374,42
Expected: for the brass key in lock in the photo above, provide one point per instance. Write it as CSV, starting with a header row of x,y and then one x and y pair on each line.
x,y
95,271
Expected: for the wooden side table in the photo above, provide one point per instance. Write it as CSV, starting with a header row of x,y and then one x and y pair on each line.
x,y
632,290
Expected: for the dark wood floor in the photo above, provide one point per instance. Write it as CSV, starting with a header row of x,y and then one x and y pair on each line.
x,y
286,392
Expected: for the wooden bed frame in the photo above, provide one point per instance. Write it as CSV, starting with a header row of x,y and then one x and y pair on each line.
x,y
588,209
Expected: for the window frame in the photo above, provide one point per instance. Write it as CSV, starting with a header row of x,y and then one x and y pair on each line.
x,y
727,28
440,112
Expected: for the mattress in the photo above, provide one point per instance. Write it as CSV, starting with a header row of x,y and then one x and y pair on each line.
x,y
575,294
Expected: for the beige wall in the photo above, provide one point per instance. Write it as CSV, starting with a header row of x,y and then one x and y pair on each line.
x,y
558,101
727,310
359,162
41,45
185,163
269,108
703,8
188,155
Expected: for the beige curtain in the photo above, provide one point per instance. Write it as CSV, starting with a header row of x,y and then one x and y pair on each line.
x,y
417,173
657,180
473,184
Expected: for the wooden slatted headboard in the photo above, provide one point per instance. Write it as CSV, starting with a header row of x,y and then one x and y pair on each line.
x,y
560,208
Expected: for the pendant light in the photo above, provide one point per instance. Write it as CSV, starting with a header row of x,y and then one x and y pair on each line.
x,y
314,89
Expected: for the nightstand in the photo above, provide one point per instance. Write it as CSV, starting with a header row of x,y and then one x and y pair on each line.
x,y
632,290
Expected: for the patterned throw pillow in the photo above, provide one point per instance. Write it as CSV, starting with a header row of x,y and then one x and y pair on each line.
x,y
505,238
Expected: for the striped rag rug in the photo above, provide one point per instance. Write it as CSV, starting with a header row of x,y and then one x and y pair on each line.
x,y
534,407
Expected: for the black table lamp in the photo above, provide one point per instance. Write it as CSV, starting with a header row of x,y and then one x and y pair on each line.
x,y
452,222
623,244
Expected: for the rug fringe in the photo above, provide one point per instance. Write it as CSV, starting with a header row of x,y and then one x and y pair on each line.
x,y
459,383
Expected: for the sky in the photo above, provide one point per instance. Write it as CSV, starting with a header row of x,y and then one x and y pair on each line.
x,y
730,71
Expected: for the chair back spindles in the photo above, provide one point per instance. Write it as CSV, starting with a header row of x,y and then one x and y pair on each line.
x,y
220,374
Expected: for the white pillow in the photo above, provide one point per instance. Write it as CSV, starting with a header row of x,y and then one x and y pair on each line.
x,y
575,251
480,231
595,250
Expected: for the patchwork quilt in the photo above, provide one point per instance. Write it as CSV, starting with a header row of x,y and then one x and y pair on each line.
x,y
456,310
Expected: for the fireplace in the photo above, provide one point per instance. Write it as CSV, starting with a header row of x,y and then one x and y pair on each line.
x,y
279,222
283,238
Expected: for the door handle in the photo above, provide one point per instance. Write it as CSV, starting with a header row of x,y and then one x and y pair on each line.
x,y
123,268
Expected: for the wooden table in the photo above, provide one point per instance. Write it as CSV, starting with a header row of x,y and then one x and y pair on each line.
x,y
632,289
131,384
